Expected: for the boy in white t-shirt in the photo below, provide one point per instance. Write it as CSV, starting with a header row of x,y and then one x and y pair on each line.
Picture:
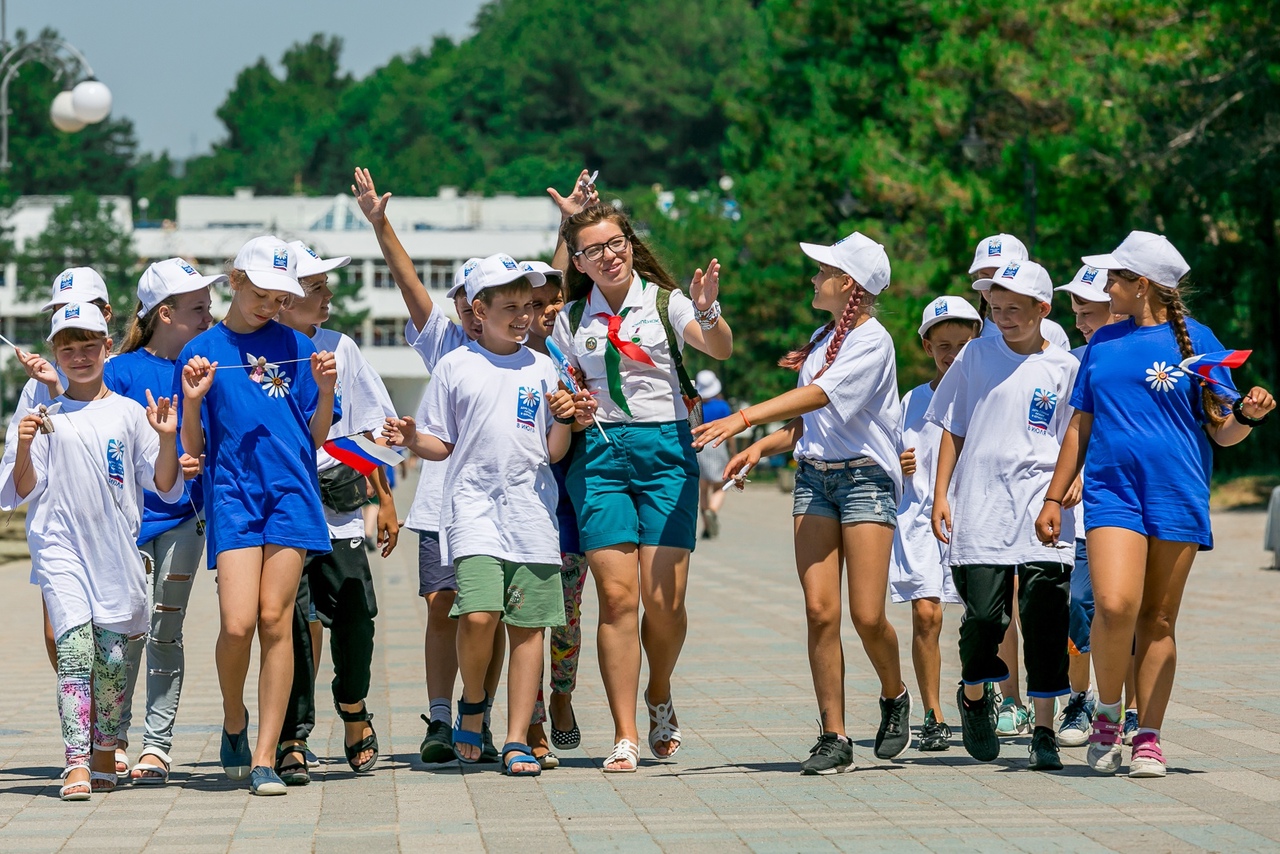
x,y
918,571
83,463
495,410
1003,410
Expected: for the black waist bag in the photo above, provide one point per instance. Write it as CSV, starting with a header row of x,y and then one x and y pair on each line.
x,y
342,489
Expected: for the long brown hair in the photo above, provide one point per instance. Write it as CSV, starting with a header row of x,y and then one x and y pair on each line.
x,y
142,328
1171,299
859,302
577,284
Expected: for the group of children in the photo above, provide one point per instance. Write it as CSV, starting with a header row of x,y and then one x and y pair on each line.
x,y
554,439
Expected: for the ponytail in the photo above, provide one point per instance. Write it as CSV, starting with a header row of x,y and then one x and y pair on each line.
x,y
858,303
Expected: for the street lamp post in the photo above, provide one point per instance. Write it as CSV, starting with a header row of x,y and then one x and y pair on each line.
x,y
88,103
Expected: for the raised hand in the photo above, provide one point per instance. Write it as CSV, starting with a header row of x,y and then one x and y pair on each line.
x,y
37,367
162,415
324,368
373,206
399,432
28,427
584,195
197,378
705,287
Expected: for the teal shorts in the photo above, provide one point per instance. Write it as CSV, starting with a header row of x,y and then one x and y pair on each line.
x,y
640,487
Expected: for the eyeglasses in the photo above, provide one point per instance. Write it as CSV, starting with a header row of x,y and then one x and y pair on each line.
x,y
595,251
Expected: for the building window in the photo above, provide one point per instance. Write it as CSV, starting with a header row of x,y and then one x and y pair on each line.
x,y
382,276
354,274
438,275
388,333
30,330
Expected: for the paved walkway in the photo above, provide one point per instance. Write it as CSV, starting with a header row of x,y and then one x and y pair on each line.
x,y
747,711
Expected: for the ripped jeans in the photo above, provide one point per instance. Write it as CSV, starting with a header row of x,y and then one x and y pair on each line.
x,y
175,560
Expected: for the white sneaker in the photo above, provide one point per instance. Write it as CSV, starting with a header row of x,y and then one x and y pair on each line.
x,y
1105,750
1077,720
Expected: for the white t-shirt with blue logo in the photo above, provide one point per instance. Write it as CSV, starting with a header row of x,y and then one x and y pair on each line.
x,y
1012,411
86,511
499,494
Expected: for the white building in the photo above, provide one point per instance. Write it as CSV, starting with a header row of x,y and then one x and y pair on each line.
x,y
438,233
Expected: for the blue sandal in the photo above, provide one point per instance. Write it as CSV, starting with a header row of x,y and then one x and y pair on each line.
x,y
520,753
466,736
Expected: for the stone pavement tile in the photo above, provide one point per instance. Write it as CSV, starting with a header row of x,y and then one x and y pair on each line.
x,y
624,840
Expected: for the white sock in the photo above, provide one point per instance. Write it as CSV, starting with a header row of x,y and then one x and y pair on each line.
x,y
1142,730
1110,711
442,710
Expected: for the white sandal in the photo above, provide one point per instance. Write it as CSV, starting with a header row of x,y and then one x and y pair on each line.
x,y
624,751
69,791
146,769
122,760
660,716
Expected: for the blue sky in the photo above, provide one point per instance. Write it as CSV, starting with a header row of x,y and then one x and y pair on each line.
x,y
170,63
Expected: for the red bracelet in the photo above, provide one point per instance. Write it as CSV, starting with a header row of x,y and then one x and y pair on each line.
x,y
743,413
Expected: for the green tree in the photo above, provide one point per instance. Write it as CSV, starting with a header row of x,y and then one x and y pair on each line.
x,y
81,233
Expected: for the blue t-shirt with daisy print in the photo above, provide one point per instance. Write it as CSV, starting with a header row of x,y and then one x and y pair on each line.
x,y
260,477
1149,459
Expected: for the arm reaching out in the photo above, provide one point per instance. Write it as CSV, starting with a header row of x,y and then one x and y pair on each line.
x,y
403,433
403,272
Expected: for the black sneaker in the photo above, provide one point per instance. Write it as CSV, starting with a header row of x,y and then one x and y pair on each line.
x,y
934,736
831,755
894,736
979,726
1044,751
438,745
488,751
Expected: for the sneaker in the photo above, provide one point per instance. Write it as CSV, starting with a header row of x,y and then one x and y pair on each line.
x,y
235,754
1014,719
1130,726
831,755
978,729
488,750
894,736
438,744
1147,759
1104,746
1077,720
265,781
1044,751
934,736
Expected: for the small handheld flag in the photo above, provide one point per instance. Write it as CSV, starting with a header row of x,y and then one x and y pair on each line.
x,y
361,454
738,481
1202,364
566,376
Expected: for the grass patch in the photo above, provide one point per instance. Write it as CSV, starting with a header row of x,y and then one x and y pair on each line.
x,y
1243,492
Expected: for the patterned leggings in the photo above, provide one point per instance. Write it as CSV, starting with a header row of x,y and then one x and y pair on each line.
x,y
566,640
90,655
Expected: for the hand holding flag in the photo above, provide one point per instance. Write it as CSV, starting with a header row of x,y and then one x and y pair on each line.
x,y
565,371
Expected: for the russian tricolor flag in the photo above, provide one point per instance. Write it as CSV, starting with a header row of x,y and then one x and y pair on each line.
x,y
361,454
1206,362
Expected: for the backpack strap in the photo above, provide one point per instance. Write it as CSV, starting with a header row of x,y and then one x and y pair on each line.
x,y
686,386
575,315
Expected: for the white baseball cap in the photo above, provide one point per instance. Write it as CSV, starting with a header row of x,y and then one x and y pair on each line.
x,y
947,308
708,384
542,267
460,276
1147,254
78,315
1022,277
1088,285
271,264
496,271
168,278
858,255
311,264
76,284
996,251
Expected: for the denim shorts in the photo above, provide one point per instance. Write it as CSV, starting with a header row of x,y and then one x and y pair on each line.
x,y
849,495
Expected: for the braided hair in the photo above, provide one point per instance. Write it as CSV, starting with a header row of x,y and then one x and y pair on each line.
x,y
858,304
1171,299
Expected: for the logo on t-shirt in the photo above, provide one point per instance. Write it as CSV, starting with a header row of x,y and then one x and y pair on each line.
x,y
993,247
591,343
1043,403
115,462
1162,376
274,383
527,407
64,284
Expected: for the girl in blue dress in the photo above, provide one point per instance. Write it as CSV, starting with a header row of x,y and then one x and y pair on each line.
x,y
257,402
1146,512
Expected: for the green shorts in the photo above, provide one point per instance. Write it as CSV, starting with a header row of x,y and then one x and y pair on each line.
x,y
640,487
528,595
